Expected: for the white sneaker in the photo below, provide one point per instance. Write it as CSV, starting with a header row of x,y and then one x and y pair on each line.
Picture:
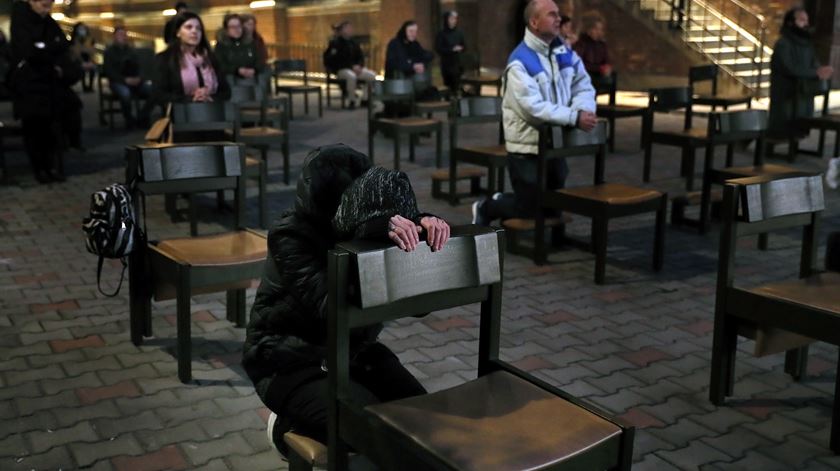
x,y
832,175
270,429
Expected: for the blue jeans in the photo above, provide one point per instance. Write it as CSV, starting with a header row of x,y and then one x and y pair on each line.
x,y
126,94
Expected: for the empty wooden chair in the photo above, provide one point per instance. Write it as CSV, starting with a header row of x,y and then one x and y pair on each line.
x,y
467,112
600,201
476,76
296,66
709,73
689,139
397,91
181,267
728,129
427,108
504,419
612,111
780,316
824,122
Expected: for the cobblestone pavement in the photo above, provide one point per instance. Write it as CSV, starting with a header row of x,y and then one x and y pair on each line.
x,y
76,394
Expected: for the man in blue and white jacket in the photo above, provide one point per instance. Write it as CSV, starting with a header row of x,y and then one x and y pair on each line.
x,y
545,82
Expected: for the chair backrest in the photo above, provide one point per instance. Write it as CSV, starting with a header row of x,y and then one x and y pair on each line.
x,y
470,62
564,141
282,66
758,205
741,125
704,73
422,81
670,99
474,110
188,168
606,85
392,89
210,118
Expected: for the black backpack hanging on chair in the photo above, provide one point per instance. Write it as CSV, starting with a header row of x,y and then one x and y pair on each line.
x,y
111,230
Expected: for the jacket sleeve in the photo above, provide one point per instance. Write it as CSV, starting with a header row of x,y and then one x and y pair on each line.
x,y
583,93
527,101
164,88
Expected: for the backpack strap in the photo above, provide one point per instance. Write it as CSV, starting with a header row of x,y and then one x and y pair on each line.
x,y
99,276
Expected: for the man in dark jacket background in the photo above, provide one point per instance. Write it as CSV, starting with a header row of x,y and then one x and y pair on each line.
x,y
122,67
344,58
794,75
285,347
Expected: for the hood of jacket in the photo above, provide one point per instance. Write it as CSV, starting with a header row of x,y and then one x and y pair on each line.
x,y
327,172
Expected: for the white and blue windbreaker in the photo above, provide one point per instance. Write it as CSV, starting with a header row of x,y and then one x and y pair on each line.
x,y
542,87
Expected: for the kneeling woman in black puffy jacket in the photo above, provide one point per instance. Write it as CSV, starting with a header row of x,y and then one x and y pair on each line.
x,y
285,346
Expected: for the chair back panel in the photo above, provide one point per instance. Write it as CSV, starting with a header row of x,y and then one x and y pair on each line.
x,y
189,161
605,85
672,98
702,73
392,88
735,122
289,65
564,137
244,93
483,106
385,274
202,113
763,198
422,81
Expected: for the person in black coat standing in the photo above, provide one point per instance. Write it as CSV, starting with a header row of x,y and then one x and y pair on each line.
x,y
449,44
405,56
39,53
285,346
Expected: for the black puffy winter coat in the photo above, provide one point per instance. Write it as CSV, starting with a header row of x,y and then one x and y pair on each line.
x,y
287,332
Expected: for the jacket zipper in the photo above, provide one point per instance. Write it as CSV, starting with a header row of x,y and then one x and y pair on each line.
x,y
553,85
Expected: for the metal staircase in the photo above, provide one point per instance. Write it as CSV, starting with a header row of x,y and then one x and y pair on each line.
x,y
726,32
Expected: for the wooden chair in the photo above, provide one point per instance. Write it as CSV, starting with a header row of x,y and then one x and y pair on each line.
x,y
601,201
272,123
427,107
780,316
824,122
709,73
332,79
400,91
689,139
470,111
181,267
476,76
209,122
612,111
728,129
505,419
294,66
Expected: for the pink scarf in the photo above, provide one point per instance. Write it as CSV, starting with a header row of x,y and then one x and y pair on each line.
x,y
189,74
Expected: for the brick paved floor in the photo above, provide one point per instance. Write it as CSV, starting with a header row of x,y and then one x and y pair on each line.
x,y
76,394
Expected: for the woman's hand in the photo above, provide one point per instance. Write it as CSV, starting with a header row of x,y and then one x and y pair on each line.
x,y
437,232
201,94
404,233
246,72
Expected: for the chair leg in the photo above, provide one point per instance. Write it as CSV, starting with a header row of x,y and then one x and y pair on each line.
x,y
139,300
599,239
263,194
730,155
285,151
231,305
412,143
723,359
184,325
396,150
453,172
821,143
611,137
646,168
705,203
689,168
193,215
659,238
763,241
306,103
235,307
834,441
501,182
796,363
439,147
320,103
291,106
371,132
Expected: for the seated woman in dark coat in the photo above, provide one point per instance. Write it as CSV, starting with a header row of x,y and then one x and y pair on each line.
x,y
285,347
187,71
237,57
405,55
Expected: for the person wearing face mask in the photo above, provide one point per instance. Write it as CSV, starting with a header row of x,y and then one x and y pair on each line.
x,y
39,50
237,58
794,76
187,71
449,44
405,55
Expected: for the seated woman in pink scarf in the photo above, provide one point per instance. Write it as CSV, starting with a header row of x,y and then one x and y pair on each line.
x,y
187,71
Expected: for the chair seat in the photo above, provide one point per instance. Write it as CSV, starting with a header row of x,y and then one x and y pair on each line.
x,y
260,131
693,133
482,79
494,151
409,122
829,121
523,224
312,451
756,170
432,106
498,421
219,249
298,88
249,115
461,173
816,292
702,99
612,193
620,110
